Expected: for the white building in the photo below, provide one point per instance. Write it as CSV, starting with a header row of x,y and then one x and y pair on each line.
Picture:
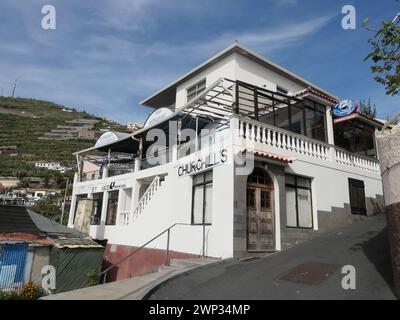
x,y
49,165
29,196
266,168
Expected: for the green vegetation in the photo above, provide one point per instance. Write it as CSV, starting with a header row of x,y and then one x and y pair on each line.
x,y
22,121
368,108
30,291
48,207
93,277
385,54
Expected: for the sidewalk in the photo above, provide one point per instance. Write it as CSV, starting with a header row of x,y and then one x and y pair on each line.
x,y
135,288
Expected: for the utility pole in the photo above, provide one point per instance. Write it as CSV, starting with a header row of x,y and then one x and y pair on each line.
x,y
65,199
14,87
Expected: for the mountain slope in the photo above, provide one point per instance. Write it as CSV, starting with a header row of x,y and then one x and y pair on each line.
x,y
22,121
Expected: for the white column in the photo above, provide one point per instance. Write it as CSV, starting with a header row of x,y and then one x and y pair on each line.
x,y
139,156
73,203
329,126
104,208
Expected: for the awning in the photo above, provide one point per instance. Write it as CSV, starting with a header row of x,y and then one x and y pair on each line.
x,y
118,142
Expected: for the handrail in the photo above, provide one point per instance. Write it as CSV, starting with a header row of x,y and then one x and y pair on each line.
x,y
152,239
154,184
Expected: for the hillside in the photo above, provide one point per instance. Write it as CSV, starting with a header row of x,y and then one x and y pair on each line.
x,y
23,121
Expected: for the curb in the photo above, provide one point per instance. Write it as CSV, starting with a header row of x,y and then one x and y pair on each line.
x,y
161,282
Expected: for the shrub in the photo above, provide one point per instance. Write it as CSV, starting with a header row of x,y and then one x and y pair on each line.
x,y
31,291
93,278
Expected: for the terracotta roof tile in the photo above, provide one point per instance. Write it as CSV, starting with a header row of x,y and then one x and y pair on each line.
x,y
271,156
311,90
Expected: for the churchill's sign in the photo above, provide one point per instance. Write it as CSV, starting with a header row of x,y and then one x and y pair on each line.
x,y
203,163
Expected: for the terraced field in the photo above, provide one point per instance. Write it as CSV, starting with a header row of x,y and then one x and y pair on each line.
x,y
22,121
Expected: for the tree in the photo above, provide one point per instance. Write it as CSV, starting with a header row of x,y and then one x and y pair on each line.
x,y
368,108
48,207
385,54
20,174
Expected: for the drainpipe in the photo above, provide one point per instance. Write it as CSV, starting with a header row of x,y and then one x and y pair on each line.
x,y
388,145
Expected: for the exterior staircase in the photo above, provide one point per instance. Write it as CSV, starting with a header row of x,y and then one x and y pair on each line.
x,y
154,186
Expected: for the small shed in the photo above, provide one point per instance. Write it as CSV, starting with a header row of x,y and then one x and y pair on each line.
x,y
29,241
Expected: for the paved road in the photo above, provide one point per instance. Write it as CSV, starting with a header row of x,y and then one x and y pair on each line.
x,y
363,245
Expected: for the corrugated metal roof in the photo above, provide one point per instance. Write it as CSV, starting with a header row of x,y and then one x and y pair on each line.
x,y
22,220
16,219
76,243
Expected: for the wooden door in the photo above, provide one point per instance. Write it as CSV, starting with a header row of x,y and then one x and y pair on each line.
x,y
260,218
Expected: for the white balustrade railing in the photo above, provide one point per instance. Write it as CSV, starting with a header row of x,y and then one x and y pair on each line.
x,y
354,160
265,134
124,218
262,133
145,199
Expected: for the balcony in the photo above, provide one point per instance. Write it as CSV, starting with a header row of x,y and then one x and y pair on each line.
x,y
262,136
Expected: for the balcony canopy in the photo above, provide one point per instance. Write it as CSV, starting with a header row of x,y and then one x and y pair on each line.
x,y
115,142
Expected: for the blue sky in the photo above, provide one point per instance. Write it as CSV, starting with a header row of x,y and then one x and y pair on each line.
x,y
107,55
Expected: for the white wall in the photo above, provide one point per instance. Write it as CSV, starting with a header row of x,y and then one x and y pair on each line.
x,y
256,74
172,204
223,69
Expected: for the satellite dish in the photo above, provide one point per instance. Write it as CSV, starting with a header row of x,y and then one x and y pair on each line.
x,y
344,108
157,116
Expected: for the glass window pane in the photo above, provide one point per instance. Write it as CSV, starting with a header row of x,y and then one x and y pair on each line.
x,y
319,126
282,116
303,182
208,203
297,119
320,108
290,179
265,199
97,208
309,122
198,204
198,178
209,176
112,207
291,207
251,198
305,208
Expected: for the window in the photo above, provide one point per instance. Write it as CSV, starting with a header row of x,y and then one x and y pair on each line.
x,y
297,119
355,136
302,116
357,197
97,208
298,202
202,198
195,89
315,120
112,207
251,198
